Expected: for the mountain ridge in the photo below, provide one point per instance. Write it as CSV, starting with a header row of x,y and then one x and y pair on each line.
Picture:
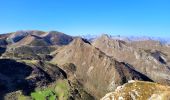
x,y
90,68
163,40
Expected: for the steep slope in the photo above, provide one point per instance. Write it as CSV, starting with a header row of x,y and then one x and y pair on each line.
x,y
97,72
21,78
139,90
146,57
26,76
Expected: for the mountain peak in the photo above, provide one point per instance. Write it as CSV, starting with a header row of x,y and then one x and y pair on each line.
x,y
79,40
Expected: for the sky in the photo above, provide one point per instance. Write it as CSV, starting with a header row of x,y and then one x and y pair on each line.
x,y
82,17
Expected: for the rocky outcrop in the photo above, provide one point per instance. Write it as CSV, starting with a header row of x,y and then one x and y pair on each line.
x,y
138,90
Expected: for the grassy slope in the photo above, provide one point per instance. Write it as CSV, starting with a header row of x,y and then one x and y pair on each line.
x,y
59,91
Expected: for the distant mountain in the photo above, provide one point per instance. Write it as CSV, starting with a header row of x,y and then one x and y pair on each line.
x,y
39,38
131,38
89,37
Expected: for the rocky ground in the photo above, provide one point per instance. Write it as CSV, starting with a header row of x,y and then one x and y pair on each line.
x,y
139,90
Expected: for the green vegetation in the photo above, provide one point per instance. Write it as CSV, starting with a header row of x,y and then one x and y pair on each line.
x,y
60,91
44,95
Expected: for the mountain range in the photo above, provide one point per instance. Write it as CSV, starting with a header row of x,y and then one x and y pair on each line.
x,y
38,65
163,40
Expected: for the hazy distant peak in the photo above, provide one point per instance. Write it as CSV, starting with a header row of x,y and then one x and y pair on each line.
x,y
106,36
128,38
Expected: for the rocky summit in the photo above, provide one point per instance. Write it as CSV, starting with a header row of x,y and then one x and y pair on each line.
x,y
38,65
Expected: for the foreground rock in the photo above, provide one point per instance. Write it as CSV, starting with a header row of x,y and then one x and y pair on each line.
x,y
139,90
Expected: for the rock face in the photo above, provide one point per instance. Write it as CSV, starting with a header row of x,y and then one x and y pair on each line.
x,y
138,90
148,57
96,71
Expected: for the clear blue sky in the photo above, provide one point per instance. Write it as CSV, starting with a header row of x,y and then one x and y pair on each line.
x,y
75,17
